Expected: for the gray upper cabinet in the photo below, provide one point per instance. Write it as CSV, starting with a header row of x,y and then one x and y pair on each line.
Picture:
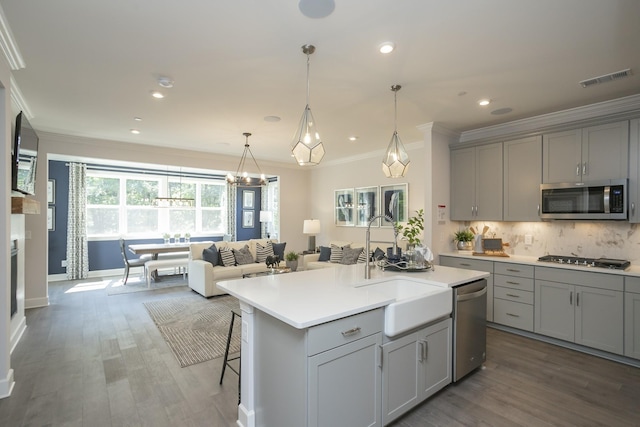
x,y
584,155
634,171
522,179
476,183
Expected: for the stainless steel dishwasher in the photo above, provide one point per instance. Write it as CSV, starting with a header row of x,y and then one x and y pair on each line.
x,y
469,327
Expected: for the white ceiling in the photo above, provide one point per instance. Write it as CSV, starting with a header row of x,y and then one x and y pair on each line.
x,y
90,67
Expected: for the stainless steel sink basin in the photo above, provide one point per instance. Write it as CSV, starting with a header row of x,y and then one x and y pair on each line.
x,y
416,302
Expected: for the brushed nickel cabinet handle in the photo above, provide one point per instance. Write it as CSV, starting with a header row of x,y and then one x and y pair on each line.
x,y
577,299
578,169
351,331
513,283
512,315
570,298
513,295
464,264
515,270
584,168
633,209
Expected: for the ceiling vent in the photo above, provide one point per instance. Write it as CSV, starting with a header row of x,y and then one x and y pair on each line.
x,y
606,78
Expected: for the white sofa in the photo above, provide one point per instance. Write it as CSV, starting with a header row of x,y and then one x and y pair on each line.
x,y
310,261
203,276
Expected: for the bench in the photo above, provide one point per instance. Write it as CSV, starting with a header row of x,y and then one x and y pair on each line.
x,y
155,264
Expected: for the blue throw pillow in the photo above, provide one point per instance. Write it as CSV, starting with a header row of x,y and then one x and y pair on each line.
x,y
325,253
278,249
211,254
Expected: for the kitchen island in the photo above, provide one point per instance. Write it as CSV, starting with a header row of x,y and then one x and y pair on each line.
x,y
312,342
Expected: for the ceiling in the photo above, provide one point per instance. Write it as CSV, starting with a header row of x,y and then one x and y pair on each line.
x,y
91,65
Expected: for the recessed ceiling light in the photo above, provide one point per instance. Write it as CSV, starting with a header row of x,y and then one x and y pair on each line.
x,y
387,47
353,138
137,119
484,102
165,82
135,131
157,94
272,119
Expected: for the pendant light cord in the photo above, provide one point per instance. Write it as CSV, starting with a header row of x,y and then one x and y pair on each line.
x,y
307,80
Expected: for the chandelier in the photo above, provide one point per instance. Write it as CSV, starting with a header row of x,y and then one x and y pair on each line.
x,y
242,177
174,202
396,160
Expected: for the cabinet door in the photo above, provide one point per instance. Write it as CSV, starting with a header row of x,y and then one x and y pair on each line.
x,y
562,156
599,319
605,151
351,370
434,358
489,182
634,171
554,312
522,179
399,377
632,325
463,172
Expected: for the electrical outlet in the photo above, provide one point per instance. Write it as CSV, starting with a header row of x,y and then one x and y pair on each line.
x,y
528,239
63,263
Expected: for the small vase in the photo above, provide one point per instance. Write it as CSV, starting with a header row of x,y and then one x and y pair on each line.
x,y
166,240
293,265
410,256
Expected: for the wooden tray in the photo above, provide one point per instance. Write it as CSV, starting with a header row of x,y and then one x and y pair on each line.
x,y
492,253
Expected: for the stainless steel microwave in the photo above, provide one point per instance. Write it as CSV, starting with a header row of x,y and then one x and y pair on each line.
x,y
584,200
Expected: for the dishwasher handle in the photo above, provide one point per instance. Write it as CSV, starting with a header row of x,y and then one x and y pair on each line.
x,y
477,294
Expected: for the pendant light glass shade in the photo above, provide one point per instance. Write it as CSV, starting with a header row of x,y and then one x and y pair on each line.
x,y
396,160
242,177
307,145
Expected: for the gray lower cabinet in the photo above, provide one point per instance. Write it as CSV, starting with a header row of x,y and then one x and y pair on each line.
x,y
474,264
632,317
581,307
414,367
513,295
325,376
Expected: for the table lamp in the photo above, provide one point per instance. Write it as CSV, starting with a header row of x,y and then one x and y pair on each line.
x,y
266,217
311,227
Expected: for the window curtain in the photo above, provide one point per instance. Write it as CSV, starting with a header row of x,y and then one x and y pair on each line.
x,y
231,211
77,250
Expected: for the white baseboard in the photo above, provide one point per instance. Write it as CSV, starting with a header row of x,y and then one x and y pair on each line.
x,y
17,335
36,302
6,385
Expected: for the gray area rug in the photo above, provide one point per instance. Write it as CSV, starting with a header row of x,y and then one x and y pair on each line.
x,y
196,328
139,284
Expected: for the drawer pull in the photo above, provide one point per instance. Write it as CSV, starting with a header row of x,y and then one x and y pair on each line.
x,y
351,332
512,315
513,270
513,295
465,264
513,283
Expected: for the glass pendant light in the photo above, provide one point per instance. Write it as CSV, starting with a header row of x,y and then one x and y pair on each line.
x,y
396,160
242,177
307,146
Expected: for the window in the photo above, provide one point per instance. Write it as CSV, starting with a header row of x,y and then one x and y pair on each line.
x,y
122,204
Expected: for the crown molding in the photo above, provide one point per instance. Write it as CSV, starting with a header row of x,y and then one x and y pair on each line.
x,y
18,100
616,109
8,44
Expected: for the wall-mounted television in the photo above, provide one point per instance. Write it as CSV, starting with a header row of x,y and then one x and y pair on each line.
x,y
24,157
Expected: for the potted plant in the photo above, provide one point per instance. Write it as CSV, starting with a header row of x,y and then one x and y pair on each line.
x,y
167,238
176,238
411,232
464,239
291,259
187,237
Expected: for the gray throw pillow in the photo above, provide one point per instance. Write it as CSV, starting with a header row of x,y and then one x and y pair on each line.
x,y
211,254
378,254
228,259
243,256
278,249
350,255
325,253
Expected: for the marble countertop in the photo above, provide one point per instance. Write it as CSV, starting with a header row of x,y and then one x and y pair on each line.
x,y
308,298
633,270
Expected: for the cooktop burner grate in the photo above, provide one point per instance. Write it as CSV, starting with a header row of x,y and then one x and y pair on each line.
x,y
615,264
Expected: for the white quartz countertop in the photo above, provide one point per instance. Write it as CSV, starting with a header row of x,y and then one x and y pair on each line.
x,y
633,270
308,298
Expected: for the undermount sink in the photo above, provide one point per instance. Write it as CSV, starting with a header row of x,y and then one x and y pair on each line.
x,y
416,302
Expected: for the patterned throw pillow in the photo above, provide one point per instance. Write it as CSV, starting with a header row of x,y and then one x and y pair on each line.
x,y
262,252
336,253
228,259
243,256
363,256
350,255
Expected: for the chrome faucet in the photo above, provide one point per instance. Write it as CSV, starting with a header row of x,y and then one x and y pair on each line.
x,y
367,271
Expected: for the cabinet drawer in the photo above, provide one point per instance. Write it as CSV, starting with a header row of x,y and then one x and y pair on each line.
x,y
514,314
574,276
524,284
515,295
519,270
632,284
333,334
467,264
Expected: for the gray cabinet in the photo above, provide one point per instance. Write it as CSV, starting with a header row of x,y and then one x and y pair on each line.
x,y
634,170
474,264
476,183
590,154
513,295
581,307
632,317
415,367
327,375
522,179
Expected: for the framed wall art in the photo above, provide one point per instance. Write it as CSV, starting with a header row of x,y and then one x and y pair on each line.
x,y
394,201
343,202
366,206
248,199
247,219
51,218
51,191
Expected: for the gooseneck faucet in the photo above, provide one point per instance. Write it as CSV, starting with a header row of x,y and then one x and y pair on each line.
x,y
367,271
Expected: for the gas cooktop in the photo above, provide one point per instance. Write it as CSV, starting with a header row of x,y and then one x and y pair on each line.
x,y
615,264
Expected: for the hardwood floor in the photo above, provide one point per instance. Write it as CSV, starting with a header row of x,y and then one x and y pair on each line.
x,y
95,360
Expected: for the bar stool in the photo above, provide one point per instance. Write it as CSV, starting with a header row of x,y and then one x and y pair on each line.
x,y
226,360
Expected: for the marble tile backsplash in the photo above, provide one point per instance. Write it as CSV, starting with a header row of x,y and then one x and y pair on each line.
x,y
611,239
